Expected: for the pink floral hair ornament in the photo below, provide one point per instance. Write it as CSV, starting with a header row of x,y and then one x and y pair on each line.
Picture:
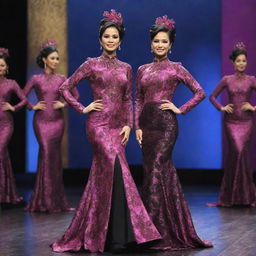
x,y
48,43
164,21
240,46
4,52
113,16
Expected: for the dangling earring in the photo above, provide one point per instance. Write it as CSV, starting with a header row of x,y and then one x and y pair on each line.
x,y
44,65
100,47
119,48
7,71
151,50
170,52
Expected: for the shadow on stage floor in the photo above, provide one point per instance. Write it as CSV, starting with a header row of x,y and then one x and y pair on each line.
x,y
232,230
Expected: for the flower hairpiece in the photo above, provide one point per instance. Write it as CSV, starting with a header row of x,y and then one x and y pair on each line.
x,y
113,16
164,21
4,51
240,46
48,43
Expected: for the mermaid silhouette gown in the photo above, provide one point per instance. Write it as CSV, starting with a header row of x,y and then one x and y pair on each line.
x,y
110,212
237,186
48,194
8,191
162,193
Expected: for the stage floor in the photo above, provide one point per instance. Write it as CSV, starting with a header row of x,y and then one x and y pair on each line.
x,y
232,230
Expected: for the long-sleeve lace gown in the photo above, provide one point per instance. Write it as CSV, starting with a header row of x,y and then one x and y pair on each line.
x,y
111,212
162,193
48,194
237,186
8,191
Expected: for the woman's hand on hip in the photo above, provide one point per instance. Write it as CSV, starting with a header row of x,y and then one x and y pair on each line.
x,y
40,105
246,106
7,106
94,106
126,133
167,105
58,104
139,136
228,108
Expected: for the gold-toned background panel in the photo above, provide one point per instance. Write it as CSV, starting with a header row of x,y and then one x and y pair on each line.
x,y
48,19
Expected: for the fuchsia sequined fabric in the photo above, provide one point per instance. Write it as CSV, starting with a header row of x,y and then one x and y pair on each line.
x,y
111,81
8,192
162,193
48,194
237,186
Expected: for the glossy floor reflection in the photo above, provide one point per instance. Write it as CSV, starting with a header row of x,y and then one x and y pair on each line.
x,y
232,230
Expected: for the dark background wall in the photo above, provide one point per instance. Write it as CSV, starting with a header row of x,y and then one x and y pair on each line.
x,y
13,23
197,46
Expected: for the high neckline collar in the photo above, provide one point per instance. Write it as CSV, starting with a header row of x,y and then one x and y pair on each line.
x,y
165,59
240,74
48,74
2,78
105,56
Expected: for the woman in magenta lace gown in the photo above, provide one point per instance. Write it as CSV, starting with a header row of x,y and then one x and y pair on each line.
x,y
156,131
8,87
111,215
48,194
237,186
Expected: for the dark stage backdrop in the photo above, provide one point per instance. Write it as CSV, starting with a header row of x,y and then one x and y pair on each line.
x,y
13,23
197,46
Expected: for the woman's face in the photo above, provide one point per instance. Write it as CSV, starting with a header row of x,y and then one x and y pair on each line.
x,y
3,67
240,63
161,44
52,60
110,39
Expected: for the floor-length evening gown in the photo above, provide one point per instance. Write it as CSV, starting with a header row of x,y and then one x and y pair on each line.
x,y
100,220
237,186
48,194
162,193
8,191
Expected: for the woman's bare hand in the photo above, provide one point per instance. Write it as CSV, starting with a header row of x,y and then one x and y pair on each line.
x,y
167,105
94,106
228,108
139,136
58,104
246,106
7,106
126,133
40,105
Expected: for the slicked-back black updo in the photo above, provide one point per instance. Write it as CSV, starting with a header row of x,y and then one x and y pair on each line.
x,y
155,29
235,53
44,54
104,24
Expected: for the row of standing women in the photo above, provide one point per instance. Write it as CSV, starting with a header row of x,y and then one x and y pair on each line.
x,y
111,214
48,194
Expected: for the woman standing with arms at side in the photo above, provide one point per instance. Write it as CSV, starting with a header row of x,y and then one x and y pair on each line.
x,y
237,186
156,131
110,215
48,194
8,87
